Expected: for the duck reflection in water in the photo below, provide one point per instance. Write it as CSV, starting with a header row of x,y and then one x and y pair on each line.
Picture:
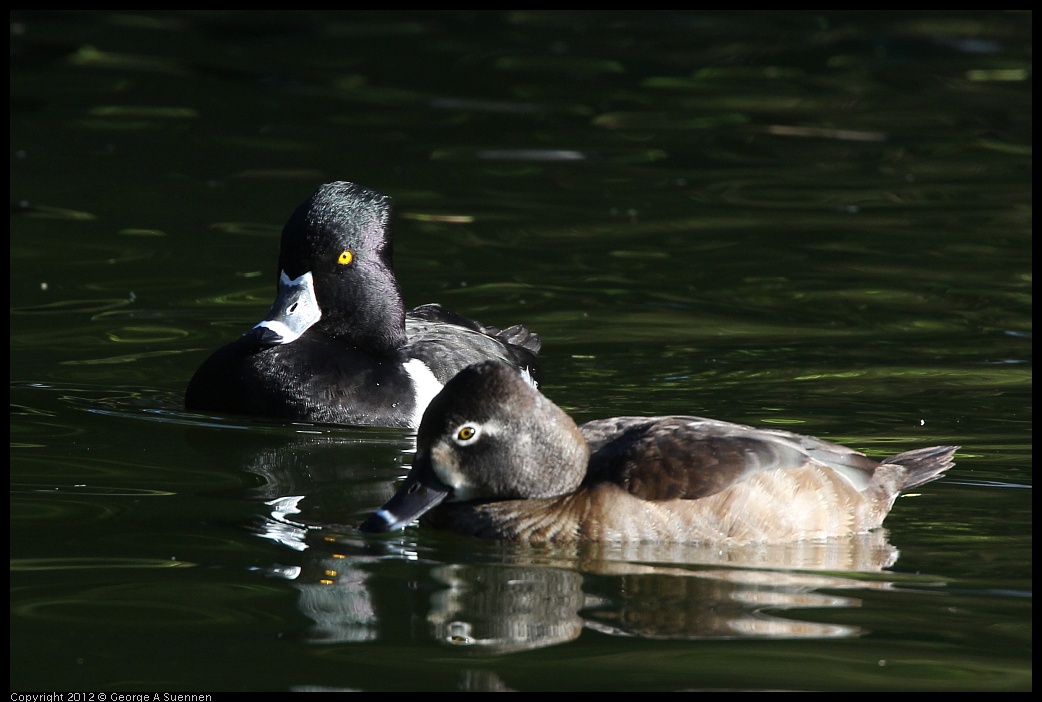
x,y
502,598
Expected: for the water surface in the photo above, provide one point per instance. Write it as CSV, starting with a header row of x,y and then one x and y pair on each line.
x,y
814,221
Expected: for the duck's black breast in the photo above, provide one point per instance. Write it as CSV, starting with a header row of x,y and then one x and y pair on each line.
x,y
314,379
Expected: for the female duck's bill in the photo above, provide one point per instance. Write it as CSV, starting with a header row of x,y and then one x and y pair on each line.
x,y
496,458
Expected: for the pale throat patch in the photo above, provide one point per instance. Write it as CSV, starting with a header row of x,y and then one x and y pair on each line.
x,y
446,469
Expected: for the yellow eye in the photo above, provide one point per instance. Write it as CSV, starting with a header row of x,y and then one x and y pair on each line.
x,y
345,257
467,434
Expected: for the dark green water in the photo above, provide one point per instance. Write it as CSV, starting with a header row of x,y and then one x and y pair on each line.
x,y
820,222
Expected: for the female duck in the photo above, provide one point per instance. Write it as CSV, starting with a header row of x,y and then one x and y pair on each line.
x,y
496,458
338,346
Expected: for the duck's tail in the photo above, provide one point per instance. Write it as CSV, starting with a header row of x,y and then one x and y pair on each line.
x,y
923,465
519,335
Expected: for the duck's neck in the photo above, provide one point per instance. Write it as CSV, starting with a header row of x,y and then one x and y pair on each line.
x,y
375,326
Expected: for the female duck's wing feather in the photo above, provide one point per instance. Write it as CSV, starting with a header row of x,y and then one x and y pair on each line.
x,y
681,457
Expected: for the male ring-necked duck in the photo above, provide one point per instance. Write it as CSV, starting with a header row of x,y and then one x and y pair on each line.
x,y
338,346
496,458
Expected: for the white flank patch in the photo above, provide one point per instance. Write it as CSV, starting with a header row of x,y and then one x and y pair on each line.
x,y
426,385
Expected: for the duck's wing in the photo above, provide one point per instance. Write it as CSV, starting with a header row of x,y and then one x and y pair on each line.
x,y
516,335
444,339
434,312
679,457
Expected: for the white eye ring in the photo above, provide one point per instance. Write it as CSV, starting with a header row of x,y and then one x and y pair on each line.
x,y
466,434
